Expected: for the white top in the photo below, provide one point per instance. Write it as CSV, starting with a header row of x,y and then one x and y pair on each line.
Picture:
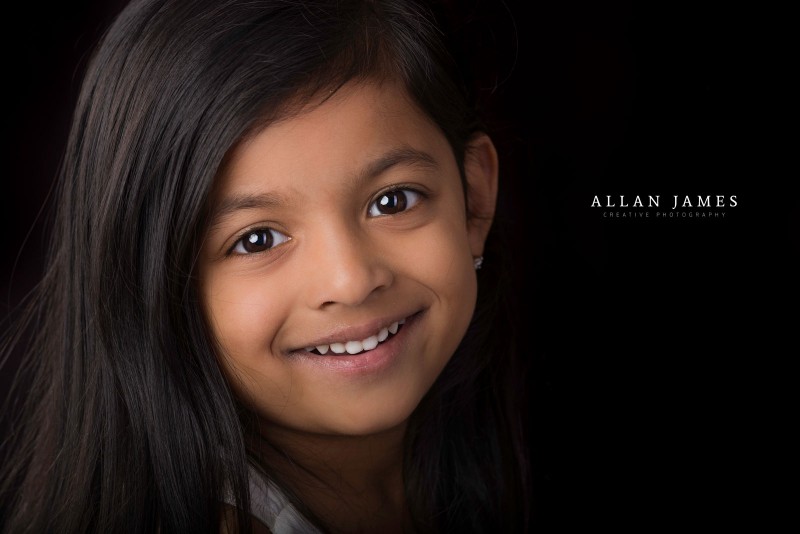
x,y
270,505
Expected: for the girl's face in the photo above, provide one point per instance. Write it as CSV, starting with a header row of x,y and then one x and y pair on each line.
x,y
333,230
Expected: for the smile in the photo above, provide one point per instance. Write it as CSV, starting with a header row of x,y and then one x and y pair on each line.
x,y
358,346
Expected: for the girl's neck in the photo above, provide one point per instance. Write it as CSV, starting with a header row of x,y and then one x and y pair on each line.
x,y
353,483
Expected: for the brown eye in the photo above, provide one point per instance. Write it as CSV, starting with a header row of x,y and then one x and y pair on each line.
x,y
395,201
259,240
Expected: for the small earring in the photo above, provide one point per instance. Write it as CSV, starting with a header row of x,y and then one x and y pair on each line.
x,y
477,262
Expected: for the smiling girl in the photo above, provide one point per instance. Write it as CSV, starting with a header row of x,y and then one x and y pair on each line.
x,y
262,309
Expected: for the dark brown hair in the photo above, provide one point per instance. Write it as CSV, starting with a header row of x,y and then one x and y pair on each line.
x,y
129,424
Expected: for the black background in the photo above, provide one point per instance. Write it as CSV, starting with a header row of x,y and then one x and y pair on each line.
x,y
654,390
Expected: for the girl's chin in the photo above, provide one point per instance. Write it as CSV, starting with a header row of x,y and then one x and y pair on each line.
x,y
359,419
372,424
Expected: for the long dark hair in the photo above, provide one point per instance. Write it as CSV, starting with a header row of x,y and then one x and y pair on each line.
x,y
128,424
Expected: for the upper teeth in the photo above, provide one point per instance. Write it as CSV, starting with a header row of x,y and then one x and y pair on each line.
x,y
354,347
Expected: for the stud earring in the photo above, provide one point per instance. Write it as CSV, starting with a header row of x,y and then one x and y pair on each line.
x,y
477,262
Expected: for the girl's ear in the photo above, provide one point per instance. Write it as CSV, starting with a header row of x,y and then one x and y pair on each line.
x,y
481,170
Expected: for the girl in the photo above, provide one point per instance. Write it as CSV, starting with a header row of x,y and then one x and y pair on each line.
x,y
262,310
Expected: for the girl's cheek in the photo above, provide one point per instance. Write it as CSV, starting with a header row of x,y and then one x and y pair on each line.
x,y
242,310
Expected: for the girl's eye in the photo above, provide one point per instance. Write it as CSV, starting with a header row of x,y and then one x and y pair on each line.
x,y
259,240
394,201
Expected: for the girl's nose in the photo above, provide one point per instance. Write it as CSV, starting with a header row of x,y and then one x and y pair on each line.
x,y
348,268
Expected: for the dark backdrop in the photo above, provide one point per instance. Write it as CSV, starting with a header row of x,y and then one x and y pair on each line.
x,y
653,395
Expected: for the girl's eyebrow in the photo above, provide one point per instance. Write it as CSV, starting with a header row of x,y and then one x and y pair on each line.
x,y
246,201
398,156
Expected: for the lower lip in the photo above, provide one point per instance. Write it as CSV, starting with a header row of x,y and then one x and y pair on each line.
x,y
369,362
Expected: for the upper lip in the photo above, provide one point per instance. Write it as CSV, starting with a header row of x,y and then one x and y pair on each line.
x,y
343,333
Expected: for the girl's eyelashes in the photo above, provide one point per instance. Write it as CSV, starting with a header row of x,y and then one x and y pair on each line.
x,y
394,201
390,202
258,240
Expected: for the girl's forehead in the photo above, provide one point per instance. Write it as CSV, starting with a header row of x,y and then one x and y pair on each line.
x,y
367,91
359,123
